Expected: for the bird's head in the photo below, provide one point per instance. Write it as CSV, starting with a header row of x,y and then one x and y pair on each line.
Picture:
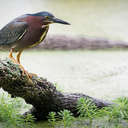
x,y
49,18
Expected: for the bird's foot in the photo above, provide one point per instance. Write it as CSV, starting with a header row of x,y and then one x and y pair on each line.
x,y
29,75
21,67
13,60
24,72
32,75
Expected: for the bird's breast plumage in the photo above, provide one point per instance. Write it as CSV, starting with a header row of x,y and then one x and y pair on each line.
x,y
40,36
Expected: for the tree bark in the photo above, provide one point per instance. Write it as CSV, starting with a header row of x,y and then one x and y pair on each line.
x,y
38,92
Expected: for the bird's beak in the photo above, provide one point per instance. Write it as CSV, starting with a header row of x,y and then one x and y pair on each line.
x,y
56,20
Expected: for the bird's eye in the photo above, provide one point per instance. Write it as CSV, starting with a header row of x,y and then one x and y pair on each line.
x,y
46,17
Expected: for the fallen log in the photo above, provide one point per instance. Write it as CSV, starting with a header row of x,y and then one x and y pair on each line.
x,y
64,42
38,92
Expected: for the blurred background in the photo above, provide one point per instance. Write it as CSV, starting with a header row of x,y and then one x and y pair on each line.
x,y
99,73
97,18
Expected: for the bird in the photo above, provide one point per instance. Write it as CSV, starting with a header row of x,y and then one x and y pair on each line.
x,y
26,31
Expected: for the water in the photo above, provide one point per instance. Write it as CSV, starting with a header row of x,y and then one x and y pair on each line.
x,y
101,74
93,18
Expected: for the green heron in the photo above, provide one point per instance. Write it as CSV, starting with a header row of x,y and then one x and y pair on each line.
x,y
26,31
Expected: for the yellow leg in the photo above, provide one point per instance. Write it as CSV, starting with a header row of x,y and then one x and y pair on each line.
x,y
11,56
18,56
18,61
24,71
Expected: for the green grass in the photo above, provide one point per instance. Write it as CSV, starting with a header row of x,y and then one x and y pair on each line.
x,y
10,113
114,116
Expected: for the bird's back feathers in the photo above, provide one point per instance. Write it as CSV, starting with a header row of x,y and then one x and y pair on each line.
x,y
12,32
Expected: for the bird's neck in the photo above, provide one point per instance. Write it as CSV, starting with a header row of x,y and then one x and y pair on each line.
x,y
44,32
45,26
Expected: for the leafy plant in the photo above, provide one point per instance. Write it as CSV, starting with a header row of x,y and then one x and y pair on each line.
x,y
86,108
113,116
52,119
117,111
10,116
122,107
67,118
64,117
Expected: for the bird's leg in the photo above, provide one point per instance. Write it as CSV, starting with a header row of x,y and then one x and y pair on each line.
x,y
18,61
11,56
18,56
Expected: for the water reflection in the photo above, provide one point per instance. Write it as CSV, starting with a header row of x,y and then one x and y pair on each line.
x,y
97,18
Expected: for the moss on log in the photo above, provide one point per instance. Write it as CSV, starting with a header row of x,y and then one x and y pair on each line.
x,y
38,92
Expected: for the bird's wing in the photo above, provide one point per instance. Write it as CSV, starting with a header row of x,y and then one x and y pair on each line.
x,y
12,32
